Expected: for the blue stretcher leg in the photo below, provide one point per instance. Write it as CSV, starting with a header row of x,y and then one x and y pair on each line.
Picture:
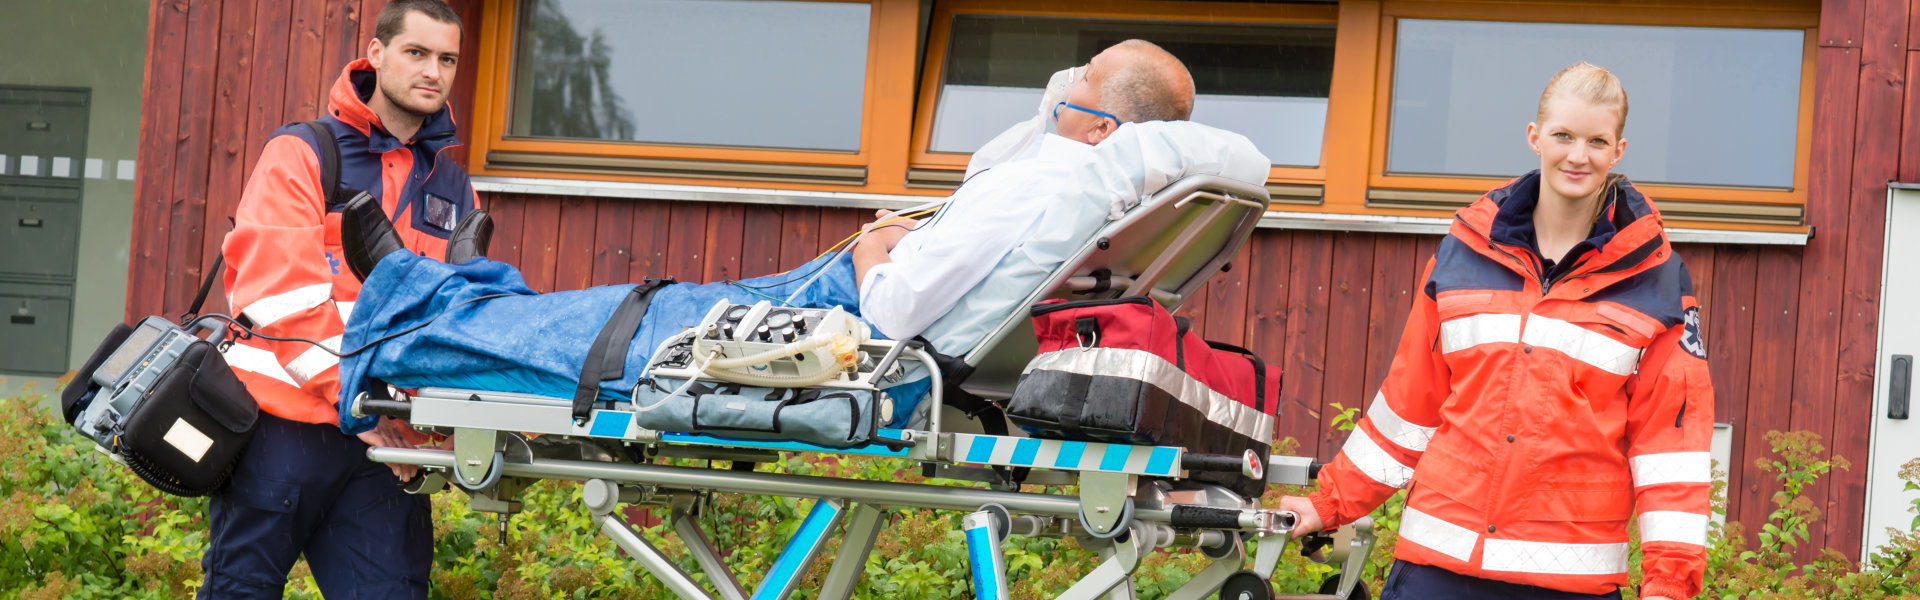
x,y
805,545
983,554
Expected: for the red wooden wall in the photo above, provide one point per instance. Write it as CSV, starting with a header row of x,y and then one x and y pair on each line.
x,y
1791,330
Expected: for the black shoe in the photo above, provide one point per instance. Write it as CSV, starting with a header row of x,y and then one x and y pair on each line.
x,y
366,235
470,237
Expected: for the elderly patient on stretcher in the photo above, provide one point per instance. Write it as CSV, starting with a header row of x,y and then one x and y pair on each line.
x,y
1033,197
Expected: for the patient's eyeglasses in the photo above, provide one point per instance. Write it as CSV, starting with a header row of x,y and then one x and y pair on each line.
x,y
1056,112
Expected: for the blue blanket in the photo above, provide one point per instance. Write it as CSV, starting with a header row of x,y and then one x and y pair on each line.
x,y
526,342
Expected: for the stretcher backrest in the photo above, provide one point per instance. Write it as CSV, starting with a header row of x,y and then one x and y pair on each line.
x,y
1167,247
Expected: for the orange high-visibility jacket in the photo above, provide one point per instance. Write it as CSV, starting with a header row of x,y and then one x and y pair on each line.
x,y
1532,412
286,274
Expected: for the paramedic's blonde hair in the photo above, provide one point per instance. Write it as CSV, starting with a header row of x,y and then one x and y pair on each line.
x,y
1587,82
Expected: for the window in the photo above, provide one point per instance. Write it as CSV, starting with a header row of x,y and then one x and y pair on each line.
x,y
1391,108
1708,106
1720,128
771,73
1266,81
1264,70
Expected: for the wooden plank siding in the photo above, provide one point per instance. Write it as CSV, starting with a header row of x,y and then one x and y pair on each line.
x,y
1790,330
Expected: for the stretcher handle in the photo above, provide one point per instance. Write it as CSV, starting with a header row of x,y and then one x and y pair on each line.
x,y
1249,464
1186,516
398,409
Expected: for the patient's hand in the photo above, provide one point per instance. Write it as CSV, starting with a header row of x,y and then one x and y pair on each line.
x,y
886,231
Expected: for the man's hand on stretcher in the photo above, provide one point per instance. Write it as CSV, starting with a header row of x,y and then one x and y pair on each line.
x,y
387,434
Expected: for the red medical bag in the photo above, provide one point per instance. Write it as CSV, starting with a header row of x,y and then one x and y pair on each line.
x,y
1127,371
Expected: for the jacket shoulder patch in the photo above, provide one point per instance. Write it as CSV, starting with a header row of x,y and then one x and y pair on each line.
x,y
1690,341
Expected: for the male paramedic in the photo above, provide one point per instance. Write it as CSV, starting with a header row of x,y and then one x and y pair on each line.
x,y
303,487
949,279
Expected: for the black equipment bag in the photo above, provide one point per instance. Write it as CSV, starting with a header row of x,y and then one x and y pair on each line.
x,y
163,400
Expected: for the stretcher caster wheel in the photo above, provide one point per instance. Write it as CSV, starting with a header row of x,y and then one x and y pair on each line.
x,y
1120,526
493,474
1331,587
1245,585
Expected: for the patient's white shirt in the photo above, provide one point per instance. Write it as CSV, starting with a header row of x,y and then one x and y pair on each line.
x,y
932,286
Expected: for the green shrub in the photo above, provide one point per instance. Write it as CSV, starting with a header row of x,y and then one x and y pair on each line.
x,y
76,525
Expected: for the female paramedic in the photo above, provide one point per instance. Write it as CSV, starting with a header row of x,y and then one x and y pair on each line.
x,y
1550,387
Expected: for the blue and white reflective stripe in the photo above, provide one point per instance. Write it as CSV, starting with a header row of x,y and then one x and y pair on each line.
x,y
1467,332
1582,344
1162,461
1673,526
984,558
1671,467
799,551
1398,430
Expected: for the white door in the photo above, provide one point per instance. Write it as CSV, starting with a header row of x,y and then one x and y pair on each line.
x,y
1896,427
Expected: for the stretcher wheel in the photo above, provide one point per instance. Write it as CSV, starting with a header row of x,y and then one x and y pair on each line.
x,y
1331,587
1245,585
493,474
1120,527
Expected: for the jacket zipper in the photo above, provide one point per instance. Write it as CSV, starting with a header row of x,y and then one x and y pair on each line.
x,y
1538,276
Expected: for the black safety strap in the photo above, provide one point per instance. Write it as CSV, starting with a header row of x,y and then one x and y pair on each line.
x,y
993,420
607,359
329,185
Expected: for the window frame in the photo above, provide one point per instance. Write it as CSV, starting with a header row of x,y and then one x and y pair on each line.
x,y
1703,206
492,111
940,30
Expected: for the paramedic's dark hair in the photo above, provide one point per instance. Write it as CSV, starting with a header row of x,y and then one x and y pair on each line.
x,y
1155,86
393,18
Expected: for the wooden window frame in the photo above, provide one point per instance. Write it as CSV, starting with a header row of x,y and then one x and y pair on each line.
x,y
944,167
893,25
1700,206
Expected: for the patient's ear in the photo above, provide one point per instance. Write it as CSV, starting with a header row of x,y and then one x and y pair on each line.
x,y
1102,129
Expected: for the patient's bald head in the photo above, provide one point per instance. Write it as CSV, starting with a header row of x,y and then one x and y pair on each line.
x,y
1134,81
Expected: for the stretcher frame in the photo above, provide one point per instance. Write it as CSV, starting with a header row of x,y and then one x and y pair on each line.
x,y
1131,500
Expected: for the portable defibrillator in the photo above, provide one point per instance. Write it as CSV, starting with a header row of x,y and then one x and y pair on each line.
x,y
161,399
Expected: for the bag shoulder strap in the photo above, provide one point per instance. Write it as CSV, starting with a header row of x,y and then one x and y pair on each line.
x,y
329,185
329,162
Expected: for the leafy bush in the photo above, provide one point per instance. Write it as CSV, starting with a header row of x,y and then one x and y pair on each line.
x,y
76,525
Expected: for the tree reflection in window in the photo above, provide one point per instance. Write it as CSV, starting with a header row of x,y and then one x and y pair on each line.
x,y
568,73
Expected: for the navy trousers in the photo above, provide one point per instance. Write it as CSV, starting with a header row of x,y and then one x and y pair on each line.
x,y
1410,581
309,489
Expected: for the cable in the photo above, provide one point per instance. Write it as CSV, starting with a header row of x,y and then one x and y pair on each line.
x,y
698,367
249,332
816,268
753,289
848,243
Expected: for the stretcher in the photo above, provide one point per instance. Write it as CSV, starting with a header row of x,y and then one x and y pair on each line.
x,y
1130,500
